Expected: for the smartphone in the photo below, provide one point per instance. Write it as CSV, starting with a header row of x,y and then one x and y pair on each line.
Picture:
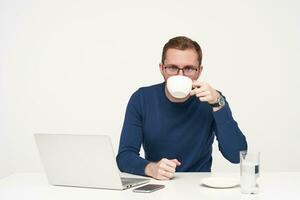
x,y
148,188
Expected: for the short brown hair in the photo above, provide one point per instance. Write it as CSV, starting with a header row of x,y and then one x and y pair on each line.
x,y
182,43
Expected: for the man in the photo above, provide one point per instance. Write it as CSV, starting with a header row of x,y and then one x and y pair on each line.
x,y
177,134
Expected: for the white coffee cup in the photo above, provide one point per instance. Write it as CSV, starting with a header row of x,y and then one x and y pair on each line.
x,y
179,86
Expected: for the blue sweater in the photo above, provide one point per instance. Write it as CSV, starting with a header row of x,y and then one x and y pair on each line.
x,y
184,131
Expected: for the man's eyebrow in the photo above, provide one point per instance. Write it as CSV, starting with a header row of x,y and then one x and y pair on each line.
x,y
174,65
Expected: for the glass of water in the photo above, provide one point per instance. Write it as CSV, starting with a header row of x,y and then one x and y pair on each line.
x,y
249,168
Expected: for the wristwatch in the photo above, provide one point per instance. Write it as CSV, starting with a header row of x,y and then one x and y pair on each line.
x,y
220,102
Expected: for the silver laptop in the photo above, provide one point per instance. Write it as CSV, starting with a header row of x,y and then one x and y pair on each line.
x,y
82,161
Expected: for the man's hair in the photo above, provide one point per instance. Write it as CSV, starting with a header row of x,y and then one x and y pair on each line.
x,y
182,43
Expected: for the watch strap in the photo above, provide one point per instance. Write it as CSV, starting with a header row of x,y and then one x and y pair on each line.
x,y
218,103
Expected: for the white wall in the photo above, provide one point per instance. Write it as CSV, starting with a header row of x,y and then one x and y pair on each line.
x,y
6,166
71,66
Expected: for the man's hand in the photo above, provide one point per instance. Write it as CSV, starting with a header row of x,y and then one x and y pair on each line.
x,y
204,92
162,170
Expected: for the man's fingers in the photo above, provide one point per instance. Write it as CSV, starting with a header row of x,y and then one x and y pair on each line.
x,y
161,177
198,90
165,168
172,163
176,162
169,163
203,94
166,174
198,84
168,168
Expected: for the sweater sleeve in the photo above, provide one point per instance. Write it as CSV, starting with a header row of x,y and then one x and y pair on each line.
x,y
230,138
128,158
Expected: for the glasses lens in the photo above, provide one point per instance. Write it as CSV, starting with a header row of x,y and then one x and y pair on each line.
x,y
172,70
189,70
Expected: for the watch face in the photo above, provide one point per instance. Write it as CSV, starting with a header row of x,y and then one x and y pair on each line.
x,y
222,101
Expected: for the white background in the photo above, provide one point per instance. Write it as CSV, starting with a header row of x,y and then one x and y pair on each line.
x,y
70,67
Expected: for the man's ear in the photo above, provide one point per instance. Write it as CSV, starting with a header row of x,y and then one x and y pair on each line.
x,y
161,68
200,71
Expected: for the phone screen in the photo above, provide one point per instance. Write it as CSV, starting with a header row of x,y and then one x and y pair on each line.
x,y
148,188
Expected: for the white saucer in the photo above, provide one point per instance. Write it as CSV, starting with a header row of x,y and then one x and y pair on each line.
x,y
220,182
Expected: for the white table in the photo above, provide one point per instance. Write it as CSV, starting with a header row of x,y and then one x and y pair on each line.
x,y
186,186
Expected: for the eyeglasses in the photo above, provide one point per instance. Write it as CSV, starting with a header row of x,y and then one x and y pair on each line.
x,y
174,70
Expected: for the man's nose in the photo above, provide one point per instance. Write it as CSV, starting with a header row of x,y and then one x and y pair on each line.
x,y
180,72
